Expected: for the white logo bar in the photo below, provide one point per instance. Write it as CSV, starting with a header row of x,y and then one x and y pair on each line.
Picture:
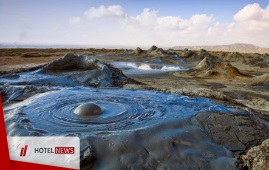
x,y
55,151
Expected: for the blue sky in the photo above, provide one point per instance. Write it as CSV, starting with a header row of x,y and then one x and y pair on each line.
x,y
134,22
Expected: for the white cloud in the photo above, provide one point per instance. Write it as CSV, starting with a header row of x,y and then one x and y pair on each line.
x,y
146,18
251,25
169,22
105,12
249,12
266,13
110,25
113,26
196,24
150,19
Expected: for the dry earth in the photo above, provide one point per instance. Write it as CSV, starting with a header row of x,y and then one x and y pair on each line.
x,y
240,80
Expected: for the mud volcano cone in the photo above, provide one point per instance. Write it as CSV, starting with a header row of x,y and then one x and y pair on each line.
x,y
138,51
218,69
87,71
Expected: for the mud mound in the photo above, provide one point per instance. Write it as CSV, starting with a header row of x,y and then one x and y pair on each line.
x,y
212,68
73,70
72,62
155,51
235,57
261,61
186,53
254,59
137,51
152,48
193,57
87,71
256,158
262,80
205,64
203,52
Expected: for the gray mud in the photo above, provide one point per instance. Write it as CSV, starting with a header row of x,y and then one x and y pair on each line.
x,y
137,129
171,145
122,110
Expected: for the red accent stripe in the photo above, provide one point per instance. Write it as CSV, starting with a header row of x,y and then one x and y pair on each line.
x,y
25,150
4,161
22,150
26,165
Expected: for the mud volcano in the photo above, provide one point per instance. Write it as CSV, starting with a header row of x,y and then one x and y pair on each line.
x,y
130,129
88,110
72,70
122,110
141,128
213,68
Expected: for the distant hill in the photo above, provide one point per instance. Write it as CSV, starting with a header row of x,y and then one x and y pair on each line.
x,y
237,47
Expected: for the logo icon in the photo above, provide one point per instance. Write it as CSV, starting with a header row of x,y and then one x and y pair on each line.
x,y
24,150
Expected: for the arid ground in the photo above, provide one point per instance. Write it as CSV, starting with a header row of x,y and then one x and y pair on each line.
x,y
249,88
237,80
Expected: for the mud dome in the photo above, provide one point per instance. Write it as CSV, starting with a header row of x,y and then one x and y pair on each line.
x,y
71,70
88,110
137,68
143,129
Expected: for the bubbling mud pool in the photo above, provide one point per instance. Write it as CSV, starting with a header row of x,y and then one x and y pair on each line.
x,y
136,128
54,112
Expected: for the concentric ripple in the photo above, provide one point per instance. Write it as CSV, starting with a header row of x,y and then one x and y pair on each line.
x,y
53,112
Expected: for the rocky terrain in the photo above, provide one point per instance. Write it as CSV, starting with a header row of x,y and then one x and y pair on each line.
x,y
238,81
257,157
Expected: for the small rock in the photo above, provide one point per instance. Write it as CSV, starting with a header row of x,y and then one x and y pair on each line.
x,y
257,157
